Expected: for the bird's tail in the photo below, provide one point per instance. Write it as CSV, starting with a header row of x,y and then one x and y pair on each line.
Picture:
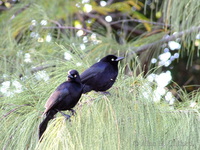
x,y
44,123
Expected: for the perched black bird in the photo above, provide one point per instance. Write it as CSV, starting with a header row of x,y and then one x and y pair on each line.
x,y
65,97
102,75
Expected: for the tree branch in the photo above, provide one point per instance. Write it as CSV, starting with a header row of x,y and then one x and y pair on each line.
x,y
33,70
3,8
165,40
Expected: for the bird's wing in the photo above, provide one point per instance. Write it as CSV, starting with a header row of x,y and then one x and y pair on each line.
x,y
55,98
92,71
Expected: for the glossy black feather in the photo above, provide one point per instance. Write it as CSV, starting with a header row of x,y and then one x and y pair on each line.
x,y
102,75
65,97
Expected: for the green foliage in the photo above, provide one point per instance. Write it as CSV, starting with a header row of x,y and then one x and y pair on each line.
x,y
185,13
126,119
183,16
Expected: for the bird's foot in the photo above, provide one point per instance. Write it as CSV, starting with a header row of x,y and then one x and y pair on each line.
x,y
65,115
73,112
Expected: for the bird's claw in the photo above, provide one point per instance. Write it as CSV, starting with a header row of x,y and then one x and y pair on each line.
x,y
73,112
67,117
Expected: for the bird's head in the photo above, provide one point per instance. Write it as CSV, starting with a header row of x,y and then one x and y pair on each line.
x,y
111,59
73,75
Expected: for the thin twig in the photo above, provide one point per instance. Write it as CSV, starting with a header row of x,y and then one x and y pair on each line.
x,y
59,25
39,68
140,21
109,2
189,80
82,20
56,22
13,110
100,20
20,10
68,27
129,29
182,111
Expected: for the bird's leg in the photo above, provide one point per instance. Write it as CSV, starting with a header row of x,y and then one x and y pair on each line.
x,y
105,93
65,115
73,112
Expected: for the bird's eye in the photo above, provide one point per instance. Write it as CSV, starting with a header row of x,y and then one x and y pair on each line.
x,y
112,59
75,76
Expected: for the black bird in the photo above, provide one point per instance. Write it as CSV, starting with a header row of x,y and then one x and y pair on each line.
x,y
102,75
65,97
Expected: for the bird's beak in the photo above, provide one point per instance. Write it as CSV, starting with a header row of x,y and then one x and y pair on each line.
x,y
119,58
70,76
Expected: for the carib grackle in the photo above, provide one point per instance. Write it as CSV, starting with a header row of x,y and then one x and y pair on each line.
x,y
102,75
65,97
